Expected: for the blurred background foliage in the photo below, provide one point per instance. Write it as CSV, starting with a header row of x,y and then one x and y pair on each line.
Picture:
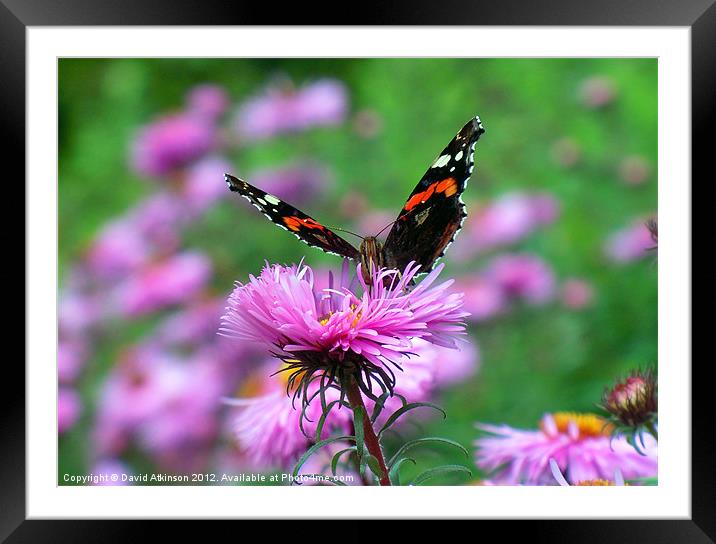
x,y
582,130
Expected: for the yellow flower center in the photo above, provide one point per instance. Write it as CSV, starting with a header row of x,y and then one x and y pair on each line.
x,y
588,424
356,316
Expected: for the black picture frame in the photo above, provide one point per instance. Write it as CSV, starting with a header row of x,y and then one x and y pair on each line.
x,y
699,15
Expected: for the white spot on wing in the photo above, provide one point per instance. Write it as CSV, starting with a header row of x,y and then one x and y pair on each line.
x,y
441,161
272,199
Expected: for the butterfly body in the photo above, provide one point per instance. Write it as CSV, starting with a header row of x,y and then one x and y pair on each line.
x,y
425,227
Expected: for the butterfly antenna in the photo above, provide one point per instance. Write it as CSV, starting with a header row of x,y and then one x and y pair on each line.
x,y
346,231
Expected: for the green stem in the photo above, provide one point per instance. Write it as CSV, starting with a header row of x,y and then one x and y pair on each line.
x,y
371,439
652,430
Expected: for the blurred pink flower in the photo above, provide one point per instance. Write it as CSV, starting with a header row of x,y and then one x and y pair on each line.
x,y
164,283
577,294
630,243
118,249
281,110
523,276
505,221
580,444
188,414
111,472
71,357
634,170
192,325
448,366
69,408
207,100
78,313
597,91
299,183
484,298
158,220
171,142
204,184
165,402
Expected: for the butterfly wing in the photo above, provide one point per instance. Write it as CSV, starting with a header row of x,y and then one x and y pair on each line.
x,y
287,217
434,211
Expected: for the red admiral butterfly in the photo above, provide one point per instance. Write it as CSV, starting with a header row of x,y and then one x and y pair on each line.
x,y
425,227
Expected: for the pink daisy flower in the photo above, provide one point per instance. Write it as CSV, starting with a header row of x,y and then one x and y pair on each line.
x,y
69,408
630,243
523,276
281,110
580,444
171,142
165,283
331,333
208,101
269,428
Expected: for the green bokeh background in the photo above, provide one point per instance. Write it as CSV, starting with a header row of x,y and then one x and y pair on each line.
x,y
534,360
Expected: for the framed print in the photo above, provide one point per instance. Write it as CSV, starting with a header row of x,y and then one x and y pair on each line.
x,y
467,299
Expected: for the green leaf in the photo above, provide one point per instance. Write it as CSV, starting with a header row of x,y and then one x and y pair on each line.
x,y
374,466
358,414
317,446
406,408
336,458
322,419
394,473
378,408
419,441
437,471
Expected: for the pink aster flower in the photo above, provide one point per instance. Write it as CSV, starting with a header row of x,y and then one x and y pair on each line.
x,y
580,444
164,283
201,189
118,249
281,110
78,312
448,366
71,357
207,100
69,408
172,142
506,220
338,330
629,244
484,298
523,276
158,221
267,423
167,403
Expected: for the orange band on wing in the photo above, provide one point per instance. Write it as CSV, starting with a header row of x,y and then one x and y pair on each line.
x,y
447,186
295,223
